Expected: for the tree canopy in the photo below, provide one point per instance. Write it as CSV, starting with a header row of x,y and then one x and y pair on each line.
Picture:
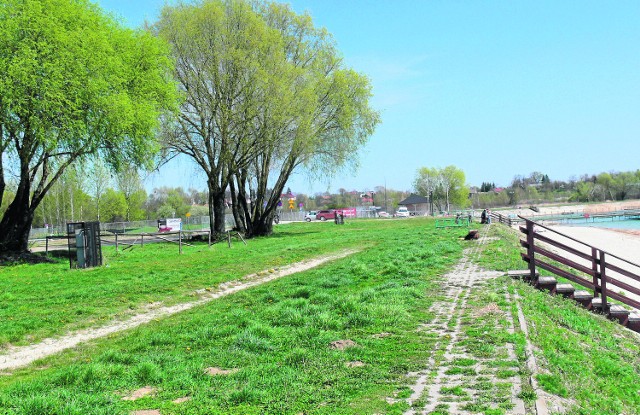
x,y
445,186
74,84
266,92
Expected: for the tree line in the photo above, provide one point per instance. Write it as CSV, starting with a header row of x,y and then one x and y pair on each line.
x,y
250,91
537,187
446,187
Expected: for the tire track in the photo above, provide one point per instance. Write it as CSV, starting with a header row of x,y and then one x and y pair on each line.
x,y
22,356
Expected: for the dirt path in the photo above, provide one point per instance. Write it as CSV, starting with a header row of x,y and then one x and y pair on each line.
x,y
455,381
21,356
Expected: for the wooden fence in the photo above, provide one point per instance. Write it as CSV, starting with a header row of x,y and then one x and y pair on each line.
x,y
602,272
503,219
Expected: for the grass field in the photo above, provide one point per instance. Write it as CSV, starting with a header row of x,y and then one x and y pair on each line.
x,y
271,345
586,359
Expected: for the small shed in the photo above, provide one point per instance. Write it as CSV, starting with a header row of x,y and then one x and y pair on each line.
x,y
416,203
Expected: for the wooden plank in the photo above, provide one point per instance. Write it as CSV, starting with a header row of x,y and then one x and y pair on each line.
x,y
564,247
547,280
623,285
520,273
618,309
624,272
565,288
582,294
555,257
625,300
564,274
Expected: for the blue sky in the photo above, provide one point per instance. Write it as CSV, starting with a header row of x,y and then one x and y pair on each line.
x,y
496,88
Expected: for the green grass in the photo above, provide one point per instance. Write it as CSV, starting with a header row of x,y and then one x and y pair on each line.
x,y
591,361
276,335
38,301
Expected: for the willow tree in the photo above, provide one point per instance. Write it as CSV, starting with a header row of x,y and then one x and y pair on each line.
x,y
221,49
74,84
266,92
316,122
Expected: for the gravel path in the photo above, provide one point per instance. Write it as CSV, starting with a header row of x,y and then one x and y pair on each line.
x,y
21,356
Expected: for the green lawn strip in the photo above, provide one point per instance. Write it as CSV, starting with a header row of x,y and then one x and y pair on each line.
x,y
277,335
501,252
588,358
38,301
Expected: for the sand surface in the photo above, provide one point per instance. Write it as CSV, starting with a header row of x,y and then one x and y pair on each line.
x,y
619,242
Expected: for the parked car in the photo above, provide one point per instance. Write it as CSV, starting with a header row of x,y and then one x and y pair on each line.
x,y
323,215
402,212
383,214
311,215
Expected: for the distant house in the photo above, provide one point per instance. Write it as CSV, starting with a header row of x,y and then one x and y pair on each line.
x,y
416,203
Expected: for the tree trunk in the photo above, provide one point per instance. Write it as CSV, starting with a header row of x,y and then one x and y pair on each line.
x,y
219,213
238,213
2,182
263,225
216,212
16,223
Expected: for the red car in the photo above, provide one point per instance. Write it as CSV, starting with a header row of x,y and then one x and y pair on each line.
x,y
323,215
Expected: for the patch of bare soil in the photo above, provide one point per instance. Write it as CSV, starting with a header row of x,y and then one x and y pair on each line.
x,y
140,393
491,308
182,400
342,344
381,335
22,356
357,363
216,371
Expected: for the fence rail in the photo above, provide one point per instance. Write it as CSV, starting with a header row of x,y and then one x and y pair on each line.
x,y
607,275
503,219
191,223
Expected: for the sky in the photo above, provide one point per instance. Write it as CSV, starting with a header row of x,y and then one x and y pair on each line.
x,y
496,88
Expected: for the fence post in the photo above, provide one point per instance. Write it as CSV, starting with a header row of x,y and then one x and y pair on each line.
x,y
530,251
46,245
594,267
603,277
116,242
142,240
180,239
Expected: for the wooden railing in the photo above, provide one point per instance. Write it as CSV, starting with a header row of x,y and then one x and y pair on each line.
x,y
503,219
596,269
